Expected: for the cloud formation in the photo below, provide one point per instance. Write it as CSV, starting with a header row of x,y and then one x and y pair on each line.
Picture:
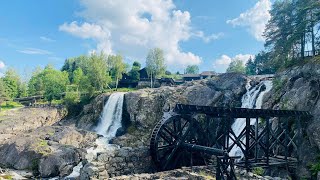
x,y
222,63
34,51
254,19
136,27
47,39
2,65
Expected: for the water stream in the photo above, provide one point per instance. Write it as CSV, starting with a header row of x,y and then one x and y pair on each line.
x,y
108,125
253,100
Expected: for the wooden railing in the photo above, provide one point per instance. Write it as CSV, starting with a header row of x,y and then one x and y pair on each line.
x,y
308,54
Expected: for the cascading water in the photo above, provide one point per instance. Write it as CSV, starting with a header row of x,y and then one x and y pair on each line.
x,y
253,100
108,125
111,116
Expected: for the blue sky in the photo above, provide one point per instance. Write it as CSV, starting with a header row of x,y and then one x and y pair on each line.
x,y
210,33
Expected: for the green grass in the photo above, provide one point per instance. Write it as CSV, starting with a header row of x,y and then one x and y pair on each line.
x,y
6,176
121,90
10,105
258,171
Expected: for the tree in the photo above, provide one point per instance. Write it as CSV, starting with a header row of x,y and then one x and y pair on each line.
x,y
236,66
77,76
134,72
250,67
117,67
155,64
55,83
97,72
3,95
11,83
36,84
192,69
50,82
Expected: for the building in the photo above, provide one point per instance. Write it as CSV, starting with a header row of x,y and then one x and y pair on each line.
x,y
191,77
207,74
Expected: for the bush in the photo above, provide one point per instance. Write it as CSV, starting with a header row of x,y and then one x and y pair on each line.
x,y
258,171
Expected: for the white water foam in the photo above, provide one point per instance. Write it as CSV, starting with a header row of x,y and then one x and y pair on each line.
x,y
253,100
108,125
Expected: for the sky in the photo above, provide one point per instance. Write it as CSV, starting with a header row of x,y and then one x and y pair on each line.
x,y
207,33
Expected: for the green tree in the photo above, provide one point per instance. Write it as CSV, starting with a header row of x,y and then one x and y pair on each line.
x,y
77,76
97,72
72,64
36,84
117,67
134,72
55,83
11,83
155,64
250,67
23,89
49,82
3,94
236,66
192,69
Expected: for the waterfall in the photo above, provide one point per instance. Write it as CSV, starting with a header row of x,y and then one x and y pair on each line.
x,y
253,100
111,118
108,125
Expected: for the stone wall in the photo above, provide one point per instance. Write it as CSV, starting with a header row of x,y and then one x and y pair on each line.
x,y
123,161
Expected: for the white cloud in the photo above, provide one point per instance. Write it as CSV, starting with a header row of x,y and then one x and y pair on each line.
x,y
254,19
35,51
2,68
90,31
222,63
134,28
208,39
47,39
2,65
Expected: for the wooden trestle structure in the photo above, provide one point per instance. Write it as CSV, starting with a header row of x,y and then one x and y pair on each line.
x,y
269,138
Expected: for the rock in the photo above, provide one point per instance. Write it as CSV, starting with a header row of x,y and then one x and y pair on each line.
x,y
59,163
89,172
25,119
91,112
144,108
53,157
297,88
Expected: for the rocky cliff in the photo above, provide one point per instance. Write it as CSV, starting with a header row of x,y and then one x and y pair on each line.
x,y
144,108
30,141
298,88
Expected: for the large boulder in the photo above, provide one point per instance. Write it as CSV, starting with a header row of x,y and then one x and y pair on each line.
x,y
48,151
20,120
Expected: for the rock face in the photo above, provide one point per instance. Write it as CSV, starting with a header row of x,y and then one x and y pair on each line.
x,y
298,88
24,119
91,113
144,108
48,151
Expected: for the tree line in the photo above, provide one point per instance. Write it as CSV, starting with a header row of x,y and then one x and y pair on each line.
x,y
82,77
291,35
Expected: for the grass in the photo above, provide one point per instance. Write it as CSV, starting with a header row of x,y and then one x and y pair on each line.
x,y
42,147
258,171
8,105
121,90
206,175
6,176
